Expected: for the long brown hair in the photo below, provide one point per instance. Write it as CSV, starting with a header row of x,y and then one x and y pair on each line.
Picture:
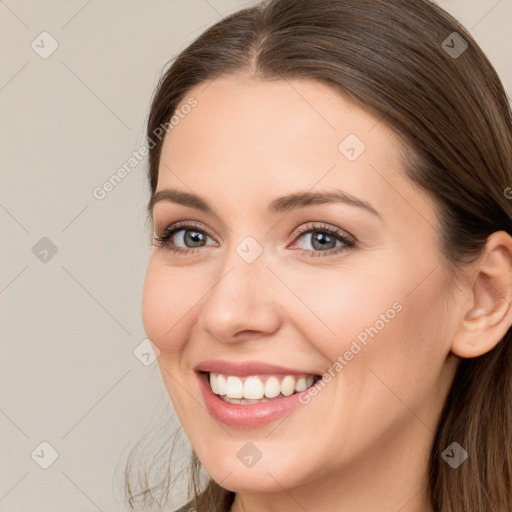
x,y
399,60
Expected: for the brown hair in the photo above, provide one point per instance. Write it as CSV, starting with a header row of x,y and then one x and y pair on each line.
x,y
394,59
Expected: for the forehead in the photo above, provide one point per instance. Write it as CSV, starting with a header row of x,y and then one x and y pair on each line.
x,y
291,115
250,138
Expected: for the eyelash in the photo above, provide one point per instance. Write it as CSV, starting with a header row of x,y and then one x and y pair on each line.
x,y
163,240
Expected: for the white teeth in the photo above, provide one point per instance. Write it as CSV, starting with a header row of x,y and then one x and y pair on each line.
x,y
272,387
243,401
213,382
218,383
253,388
288,385
234,387
301,384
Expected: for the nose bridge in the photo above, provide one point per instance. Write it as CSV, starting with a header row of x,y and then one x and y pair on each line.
x,y
241,297
243,269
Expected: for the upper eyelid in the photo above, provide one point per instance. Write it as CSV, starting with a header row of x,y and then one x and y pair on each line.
x,y
339,231
186,225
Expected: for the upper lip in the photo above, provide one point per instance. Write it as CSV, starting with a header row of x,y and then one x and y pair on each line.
x,y
243,368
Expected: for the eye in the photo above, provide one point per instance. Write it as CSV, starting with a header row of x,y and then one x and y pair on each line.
x,y
324,240
181,238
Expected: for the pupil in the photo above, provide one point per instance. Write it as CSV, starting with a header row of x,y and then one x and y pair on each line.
x,y
323,239
194,237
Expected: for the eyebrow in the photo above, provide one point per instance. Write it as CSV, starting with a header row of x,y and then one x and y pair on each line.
x,y
281,204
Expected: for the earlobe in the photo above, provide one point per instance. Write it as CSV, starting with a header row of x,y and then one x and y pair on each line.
x,y
490,315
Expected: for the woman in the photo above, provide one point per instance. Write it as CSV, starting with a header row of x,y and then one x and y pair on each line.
x,y
330,283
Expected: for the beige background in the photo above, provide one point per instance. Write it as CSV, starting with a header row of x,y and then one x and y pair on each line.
x,y
69,325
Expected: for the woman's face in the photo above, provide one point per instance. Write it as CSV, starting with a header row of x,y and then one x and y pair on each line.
x,y
374,312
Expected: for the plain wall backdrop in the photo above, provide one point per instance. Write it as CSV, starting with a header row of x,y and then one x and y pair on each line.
x,y
71,265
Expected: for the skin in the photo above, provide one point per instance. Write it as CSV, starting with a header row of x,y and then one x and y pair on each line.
x,y
363,443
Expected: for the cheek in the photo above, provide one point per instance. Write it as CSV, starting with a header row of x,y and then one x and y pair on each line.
x,y
387,318
338,305
391,337
167,303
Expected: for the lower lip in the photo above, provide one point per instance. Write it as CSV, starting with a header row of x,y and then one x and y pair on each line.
x,y
236,415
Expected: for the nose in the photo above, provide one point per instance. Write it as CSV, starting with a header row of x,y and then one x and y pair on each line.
x,y
242,301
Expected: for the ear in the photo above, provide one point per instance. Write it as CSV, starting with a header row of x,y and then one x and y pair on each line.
x,y
489,315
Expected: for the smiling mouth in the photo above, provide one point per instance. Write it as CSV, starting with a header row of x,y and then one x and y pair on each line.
x,y
260,388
